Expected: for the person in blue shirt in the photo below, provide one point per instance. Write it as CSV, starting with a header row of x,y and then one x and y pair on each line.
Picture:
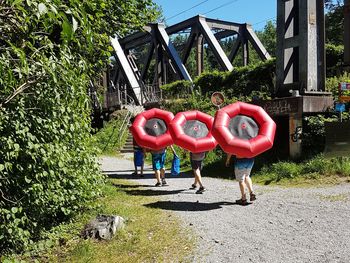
x,y
139,156
243,168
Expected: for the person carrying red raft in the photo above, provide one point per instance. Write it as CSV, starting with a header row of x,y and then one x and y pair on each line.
x,y
197,165
243,168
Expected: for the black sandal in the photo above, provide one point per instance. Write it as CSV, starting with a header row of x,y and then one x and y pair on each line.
x,y
241,201
193,186
252,197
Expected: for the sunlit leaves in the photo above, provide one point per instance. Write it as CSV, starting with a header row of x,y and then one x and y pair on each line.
x,y
42,8
47,169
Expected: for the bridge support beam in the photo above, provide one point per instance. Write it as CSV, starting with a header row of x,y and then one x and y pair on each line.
x,y
214,45
200,54
300,47
127,71
295,132
163,40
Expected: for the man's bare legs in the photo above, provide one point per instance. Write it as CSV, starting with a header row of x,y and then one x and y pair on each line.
x,y
247,182
157,174
162,173
197,177
242,188
142,170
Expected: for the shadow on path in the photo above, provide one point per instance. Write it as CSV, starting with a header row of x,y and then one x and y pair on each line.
x,y
122,186
189,206
128,176
151,192
124,175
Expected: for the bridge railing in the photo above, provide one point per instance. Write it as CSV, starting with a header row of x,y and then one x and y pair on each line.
x,y
152,93
117,97
124,127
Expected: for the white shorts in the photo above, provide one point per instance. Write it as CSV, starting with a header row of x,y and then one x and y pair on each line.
x,y
241,174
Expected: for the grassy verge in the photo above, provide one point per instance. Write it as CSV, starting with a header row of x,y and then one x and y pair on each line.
x,y
314,172
150,235
302,180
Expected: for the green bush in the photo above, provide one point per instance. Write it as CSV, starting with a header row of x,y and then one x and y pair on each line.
x,y
314,135
50,50
245,80
332,84
286,170
334,59
177,89
194,102
208,82
318,165
241,81
281,170
341,166
47,169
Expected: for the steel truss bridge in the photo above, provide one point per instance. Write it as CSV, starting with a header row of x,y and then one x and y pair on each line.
x,y
300,62
130,78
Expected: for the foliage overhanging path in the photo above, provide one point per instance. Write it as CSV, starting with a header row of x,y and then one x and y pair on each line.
x,y
283,225
49,52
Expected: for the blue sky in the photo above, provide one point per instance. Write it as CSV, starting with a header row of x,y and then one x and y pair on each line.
x,y
254,12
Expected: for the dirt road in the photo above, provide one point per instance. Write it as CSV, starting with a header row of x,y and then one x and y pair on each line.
x,y
282,225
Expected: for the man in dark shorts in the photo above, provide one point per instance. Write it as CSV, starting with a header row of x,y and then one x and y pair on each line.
x,y
197,165
158,165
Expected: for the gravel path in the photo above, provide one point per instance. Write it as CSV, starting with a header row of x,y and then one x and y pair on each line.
x,y
282,225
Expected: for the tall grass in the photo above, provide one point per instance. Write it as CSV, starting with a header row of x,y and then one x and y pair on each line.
x,y
315,168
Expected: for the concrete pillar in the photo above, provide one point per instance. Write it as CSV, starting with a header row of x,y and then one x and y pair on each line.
x,y
295,130
347,34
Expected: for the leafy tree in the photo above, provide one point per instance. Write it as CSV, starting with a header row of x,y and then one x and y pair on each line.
x,y
49,50
334,22
268,37
333,4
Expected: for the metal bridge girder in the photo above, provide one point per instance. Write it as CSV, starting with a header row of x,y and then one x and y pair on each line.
x,y
258,46
173,55
189,44
215,46
127,70
235,48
